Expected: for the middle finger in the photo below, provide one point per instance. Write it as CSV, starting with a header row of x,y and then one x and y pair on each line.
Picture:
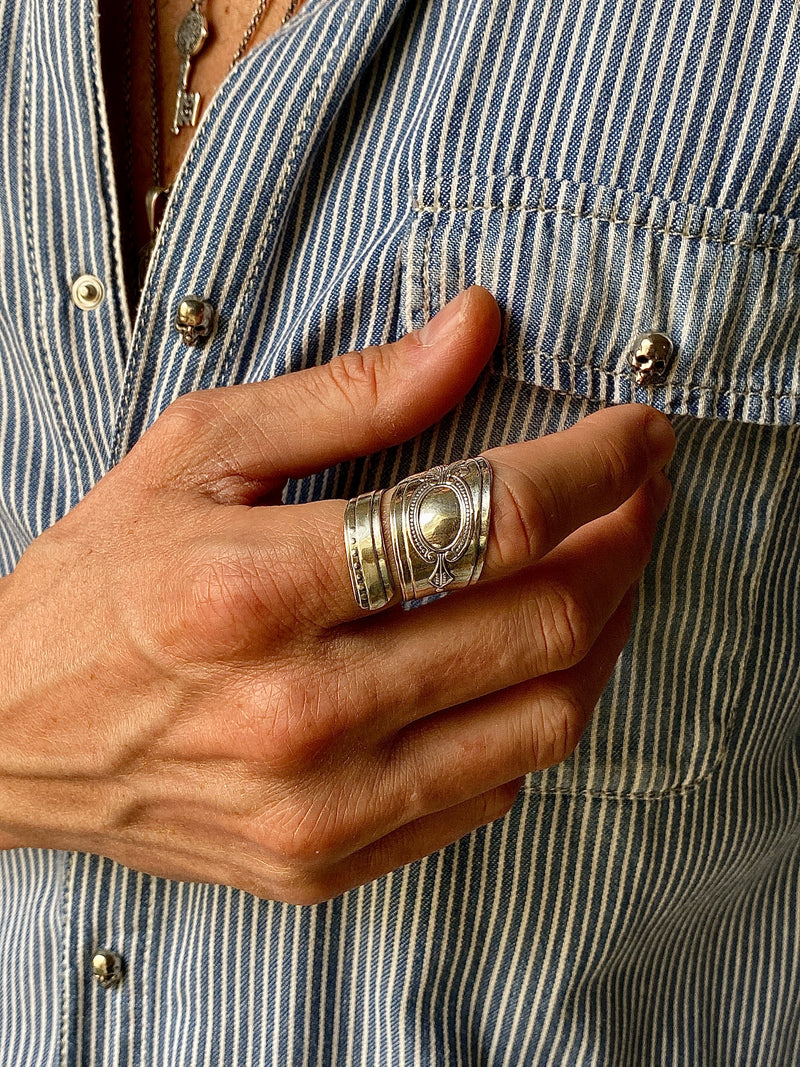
x,y
502,633
543,490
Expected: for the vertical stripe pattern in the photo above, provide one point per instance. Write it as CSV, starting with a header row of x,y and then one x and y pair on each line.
x,y
604,168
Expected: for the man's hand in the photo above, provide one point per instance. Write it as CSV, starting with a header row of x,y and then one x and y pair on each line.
x,y
189,688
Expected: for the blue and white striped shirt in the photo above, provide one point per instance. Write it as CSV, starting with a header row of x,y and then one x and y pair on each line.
x,y
605,167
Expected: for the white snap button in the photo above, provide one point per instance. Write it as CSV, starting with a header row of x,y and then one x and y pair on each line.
x,y
88,292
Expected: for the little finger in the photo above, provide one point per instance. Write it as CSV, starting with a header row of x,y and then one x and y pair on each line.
x,y
412,842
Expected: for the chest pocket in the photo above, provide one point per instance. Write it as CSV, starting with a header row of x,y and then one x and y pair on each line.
x,y
579,272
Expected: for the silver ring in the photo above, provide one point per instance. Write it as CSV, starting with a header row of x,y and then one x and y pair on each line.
x,y
366,555
439,521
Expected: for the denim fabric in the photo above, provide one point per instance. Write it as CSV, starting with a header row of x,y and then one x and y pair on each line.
x,y
605,168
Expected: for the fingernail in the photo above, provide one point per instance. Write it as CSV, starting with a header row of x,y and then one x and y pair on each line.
x,y
660,492
660,437
631,597
437,328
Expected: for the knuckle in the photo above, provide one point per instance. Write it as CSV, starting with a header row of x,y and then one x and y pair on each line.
x,y
356,378
523,523
558,729
287,884
305,892
310,834
636,543
306,720
619,466
218,602
298,841
239,596
214,587
642,543
421,798
641,549
163,448
216,605
297,735
309,887
185,417
420,688
290,752
415,781
359,378
561,627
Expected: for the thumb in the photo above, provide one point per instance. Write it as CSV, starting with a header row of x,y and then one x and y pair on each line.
x,y
358,403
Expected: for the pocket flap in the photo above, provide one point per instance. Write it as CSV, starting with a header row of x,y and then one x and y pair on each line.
x,y
580,271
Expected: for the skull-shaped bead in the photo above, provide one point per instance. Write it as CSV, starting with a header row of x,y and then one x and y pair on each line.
x,y
649,357
194,320
107,967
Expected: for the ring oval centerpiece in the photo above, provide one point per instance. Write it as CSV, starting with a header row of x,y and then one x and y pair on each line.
x,y
439,522
441,525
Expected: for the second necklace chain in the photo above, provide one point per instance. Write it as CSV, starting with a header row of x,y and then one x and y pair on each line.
x,y
190,38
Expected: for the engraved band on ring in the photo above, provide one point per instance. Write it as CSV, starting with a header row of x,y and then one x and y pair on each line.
x,y
366,555
439,521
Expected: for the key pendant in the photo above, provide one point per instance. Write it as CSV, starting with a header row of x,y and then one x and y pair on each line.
x,y
190,38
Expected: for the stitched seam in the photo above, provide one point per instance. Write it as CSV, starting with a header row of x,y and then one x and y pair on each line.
x,y
122,409
157,257
610,218
426,271
27,170
682,789
670,390
254,271
625,374
69,876
108,178
685,787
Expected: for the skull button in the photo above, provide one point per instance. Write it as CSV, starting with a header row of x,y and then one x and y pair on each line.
x,y
194,320
649,358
